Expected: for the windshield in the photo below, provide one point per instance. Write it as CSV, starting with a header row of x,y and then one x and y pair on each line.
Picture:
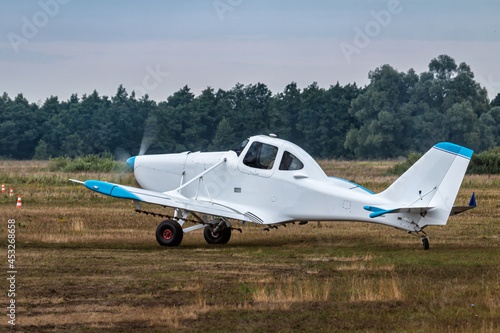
x,y
260,155
238,149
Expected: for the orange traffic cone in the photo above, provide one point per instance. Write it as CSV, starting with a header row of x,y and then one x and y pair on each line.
x,y
11,193
19,202
3,188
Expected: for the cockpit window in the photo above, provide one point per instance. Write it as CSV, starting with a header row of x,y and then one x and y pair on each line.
x,y
260,156
238,149
290,162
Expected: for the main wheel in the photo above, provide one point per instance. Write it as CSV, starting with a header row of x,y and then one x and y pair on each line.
x,y
169,233
425,243
222,237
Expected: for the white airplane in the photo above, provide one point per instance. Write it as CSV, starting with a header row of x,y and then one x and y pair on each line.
x,y
273,182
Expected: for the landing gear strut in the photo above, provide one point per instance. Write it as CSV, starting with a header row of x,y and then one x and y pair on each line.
x,y
423,237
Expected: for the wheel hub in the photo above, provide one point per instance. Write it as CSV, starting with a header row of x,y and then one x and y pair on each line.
x,y
167,234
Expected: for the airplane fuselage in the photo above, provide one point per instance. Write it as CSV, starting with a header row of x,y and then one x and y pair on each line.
x,y
273,195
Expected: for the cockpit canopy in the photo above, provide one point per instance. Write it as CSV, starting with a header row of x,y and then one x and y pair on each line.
x,y
264,152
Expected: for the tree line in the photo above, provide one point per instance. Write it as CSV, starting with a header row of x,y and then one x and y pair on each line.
x,y
395,114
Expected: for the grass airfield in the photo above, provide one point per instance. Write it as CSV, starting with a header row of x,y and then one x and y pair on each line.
x,y
86,262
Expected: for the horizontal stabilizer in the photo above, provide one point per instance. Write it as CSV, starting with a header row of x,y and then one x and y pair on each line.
x,y
460,209
380,211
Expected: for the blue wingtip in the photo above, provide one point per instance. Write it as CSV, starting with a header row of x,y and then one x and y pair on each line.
x,y
110,189
130,162
472,202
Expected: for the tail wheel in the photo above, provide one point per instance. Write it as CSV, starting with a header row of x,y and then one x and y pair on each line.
x,y
222,237
169,233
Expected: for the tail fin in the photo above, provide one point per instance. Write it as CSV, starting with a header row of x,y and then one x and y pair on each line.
x,y
433,182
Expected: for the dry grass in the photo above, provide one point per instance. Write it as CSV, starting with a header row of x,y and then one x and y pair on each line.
x,y
380,290
88,262
285,292
107,316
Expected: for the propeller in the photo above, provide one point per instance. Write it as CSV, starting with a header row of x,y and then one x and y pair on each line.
x,y
121,154
151,130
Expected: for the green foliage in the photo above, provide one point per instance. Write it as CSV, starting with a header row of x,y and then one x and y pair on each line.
x,y
41,153
224,137
88,163
486,162
383,115
496,100
403,112
400,168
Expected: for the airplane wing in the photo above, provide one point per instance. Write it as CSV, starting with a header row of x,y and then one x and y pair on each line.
x,y
169,199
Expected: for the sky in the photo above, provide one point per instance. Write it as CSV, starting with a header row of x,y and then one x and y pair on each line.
x,y
61,47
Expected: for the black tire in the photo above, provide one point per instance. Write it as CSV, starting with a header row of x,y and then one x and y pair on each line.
x,y
425,243
222,237
169,233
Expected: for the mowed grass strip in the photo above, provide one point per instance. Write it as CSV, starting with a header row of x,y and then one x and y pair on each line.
x,y
89,262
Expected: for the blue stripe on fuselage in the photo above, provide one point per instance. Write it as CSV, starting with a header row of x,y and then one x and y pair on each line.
x,y
356,185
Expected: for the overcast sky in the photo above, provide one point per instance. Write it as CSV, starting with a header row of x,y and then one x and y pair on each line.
x,y
60,47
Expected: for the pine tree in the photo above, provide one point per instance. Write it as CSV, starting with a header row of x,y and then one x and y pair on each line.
x,y
41,152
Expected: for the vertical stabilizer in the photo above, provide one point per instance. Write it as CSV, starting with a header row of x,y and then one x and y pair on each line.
x,y
433,181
